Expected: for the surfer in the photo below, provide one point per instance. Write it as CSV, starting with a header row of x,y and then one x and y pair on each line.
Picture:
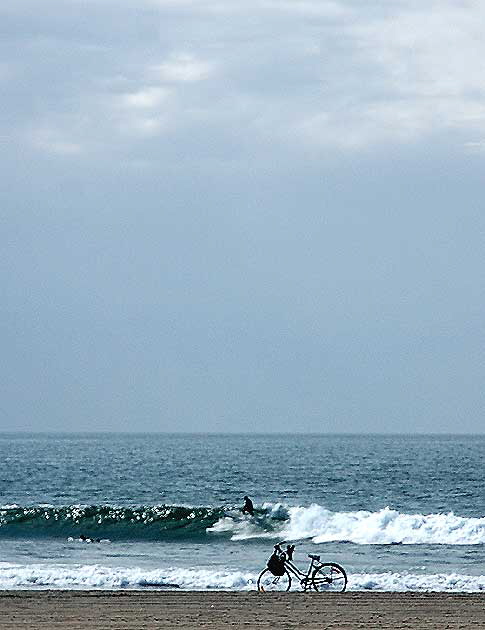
x,y
248,506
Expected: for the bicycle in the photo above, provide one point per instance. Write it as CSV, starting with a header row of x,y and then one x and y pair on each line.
x,y
323,577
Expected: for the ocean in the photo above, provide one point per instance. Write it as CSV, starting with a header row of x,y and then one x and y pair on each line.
x,y
399,513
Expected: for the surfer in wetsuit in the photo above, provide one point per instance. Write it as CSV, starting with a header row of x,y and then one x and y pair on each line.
x,y
248,507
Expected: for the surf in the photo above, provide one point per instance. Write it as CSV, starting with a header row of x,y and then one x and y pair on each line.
x,y
211,523
108,522
56,576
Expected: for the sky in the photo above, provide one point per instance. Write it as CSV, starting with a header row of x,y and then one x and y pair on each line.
x,y
261,216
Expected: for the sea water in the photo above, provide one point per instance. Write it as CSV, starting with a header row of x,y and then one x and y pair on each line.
x,y
400,513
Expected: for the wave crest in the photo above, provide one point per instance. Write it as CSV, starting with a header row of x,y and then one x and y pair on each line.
x,y
272,521
106,521
384,527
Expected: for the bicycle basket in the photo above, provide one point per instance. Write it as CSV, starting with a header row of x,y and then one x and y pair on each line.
x,y
276,563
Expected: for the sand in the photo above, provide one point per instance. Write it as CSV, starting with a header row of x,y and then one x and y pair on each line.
x,y
71,610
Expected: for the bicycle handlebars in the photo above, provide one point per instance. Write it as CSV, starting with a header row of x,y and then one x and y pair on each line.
x,y
289,549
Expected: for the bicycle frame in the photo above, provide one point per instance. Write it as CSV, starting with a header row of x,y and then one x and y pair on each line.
x,y
304,578
319,576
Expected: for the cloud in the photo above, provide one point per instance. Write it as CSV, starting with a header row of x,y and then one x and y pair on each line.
x,y
403,76
157,106
192,185
309,8
475,146
143,126
50,140
142,113
319,8
424,52
264,73
183,68
147,98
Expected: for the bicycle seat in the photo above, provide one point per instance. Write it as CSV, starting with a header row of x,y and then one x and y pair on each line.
x,y
314,557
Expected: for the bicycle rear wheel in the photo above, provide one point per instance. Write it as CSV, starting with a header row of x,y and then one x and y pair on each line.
x,y
329,578
268,582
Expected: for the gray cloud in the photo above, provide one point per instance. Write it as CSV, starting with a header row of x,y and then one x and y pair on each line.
x,y
231,216
335,75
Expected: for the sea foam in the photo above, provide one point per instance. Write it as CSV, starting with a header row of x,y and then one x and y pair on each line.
x,y
385,526
36,576
382,527
272,521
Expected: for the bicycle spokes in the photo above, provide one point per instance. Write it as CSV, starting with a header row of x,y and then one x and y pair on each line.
x,y
321,577
268,582
329,577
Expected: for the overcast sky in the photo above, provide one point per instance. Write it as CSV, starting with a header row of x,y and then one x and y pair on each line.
x,y
242,216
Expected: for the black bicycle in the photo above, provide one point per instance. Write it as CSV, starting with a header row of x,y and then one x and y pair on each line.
x,y
323,577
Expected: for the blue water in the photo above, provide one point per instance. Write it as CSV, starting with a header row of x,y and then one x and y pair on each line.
x,y
399,512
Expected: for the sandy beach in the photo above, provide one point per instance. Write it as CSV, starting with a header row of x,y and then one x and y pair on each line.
x,y
220,610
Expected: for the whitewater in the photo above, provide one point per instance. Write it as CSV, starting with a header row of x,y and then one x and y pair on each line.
x,y
279,521
383,527
400,513
17,576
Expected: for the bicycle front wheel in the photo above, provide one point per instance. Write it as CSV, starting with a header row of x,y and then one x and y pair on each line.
x,y
329,578
268,582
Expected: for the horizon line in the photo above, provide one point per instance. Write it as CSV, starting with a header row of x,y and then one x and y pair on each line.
x,y
236,433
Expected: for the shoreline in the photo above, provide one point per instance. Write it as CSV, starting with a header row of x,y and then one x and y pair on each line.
x,y
221,610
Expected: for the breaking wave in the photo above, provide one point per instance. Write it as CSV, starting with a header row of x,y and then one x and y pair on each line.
x,y
105,521
383,527
273,521
16,576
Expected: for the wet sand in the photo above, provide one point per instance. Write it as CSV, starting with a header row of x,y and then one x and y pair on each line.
x,y
148,610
